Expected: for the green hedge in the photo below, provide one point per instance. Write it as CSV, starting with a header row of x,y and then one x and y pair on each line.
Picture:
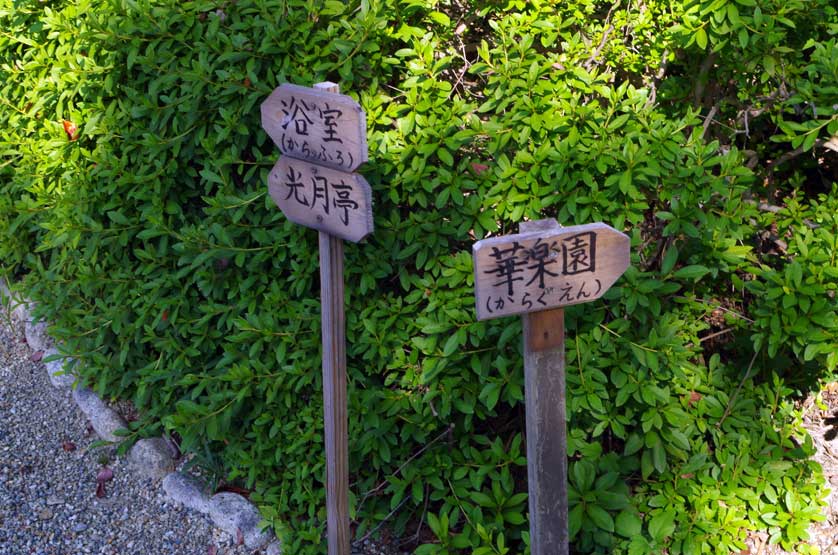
x,y
133,170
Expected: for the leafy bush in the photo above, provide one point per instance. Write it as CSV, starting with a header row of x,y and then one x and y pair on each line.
x,y
133,172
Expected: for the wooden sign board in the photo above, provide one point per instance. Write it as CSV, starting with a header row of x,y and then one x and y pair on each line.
x,y
329,200
548,266
322,127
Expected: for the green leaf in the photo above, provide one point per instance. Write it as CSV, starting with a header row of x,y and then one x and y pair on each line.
x,y
490,394
482,499
600,517
733,15
628,524
451,345
694,272
487,221
809,141
646,464
812,350
743,38
440,18
669,260
679,439
701,38
584,474
659,457
574,520
612,501
662,525
434,525
633,445
769,64
445,156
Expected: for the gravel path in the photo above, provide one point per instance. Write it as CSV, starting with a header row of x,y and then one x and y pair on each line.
x,y
48,501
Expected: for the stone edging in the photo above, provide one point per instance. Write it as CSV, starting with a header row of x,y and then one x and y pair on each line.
x,y
151,457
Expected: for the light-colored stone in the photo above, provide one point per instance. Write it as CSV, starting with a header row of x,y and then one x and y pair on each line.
x,y
20,308
6,303
152,458
232,512
105,421
36,336
274,548
56,370
186,490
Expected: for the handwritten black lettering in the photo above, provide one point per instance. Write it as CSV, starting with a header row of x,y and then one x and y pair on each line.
x,y
330,117
579,253
507,265
344,200
540,254
295,186
320,186
296,111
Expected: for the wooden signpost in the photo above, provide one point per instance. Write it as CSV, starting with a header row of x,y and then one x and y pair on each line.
x,y
322,137
536,273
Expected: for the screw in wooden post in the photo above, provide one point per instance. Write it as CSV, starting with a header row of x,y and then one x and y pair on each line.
x,y
333,325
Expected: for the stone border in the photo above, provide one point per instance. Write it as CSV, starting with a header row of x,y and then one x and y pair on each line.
x,y
151,457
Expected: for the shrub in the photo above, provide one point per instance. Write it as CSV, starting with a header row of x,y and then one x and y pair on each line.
x,y
134,208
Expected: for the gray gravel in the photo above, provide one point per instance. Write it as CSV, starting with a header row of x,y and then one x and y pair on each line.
x,y
48,502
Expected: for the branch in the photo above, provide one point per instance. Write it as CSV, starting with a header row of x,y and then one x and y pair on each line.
x,y
771,164
378,488
383,521
701,82
657,79
590,62
598,51
709,119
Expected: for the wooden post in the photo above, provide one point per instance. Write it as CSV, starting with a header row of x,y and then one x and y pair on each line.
x,y
544,392
333,324
333,328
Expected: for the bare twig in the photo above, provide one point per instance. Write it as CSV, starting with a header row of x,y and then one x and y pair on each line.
x,y
738,389
383,521
712,335
720,307
415,536
380,486
709,119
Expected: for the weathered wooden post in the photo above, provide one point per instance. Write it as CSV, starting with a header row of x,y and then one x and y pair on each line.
x,y
535,273
322,137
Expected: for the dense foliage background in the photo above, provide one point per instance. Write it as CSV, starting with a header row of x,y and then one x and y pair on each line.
x,y
133,171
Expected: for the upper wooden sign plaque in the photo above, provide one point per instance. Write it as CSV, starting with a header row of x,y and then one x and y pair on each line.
x,y
547,266
322,127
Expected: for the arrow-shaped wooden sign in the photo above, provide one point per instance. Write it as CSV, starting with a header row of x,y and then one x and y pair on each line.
x,y
549,267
